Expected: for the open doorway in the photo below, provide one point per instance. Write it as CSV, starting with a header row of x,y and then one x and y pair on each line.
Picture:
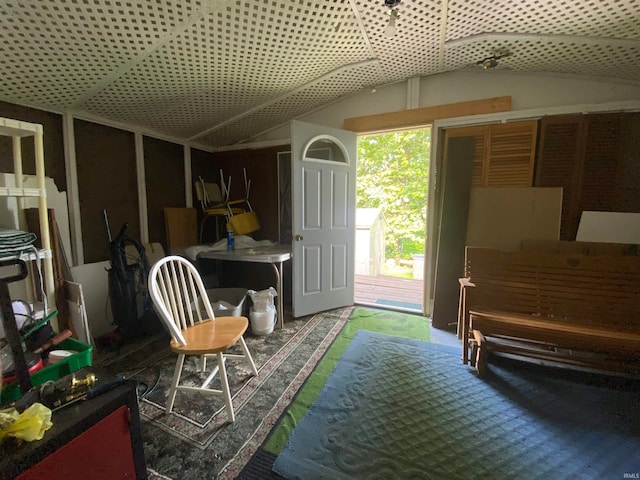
x,y
391,201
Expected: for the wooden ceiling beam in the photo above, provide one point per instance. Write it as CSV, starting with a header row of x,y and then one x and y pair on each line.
x,y
417,117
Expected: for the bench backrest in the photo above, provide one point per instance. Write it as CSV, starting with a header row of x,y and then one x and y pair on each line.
x,y
598,289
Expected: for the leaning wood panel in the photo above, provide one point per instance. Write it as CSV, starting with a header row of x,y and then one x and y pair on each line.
x,y
181,228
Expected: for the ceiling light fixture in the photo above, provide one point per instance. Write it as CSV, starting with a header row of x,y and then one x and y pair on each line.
x,y
488,63
390,29
492,61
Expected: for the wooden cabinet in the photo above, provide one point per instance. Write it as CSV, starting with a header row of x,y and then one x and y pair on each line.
x,y
595,159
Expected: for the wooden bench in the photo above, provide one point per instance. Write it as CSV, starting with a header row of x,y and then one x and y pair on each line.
x,y
561,307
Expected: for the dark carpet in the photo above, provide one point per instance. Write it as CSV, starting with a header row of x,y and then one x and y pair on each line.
x,y
408,409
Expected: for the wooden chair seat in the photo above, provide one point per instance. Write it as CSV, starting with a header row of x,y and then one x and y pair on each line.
x,y
209,337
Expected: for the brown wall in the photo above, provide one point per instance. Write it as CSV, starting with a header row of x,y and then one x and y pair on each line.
x,y
164,178
107,180
262,170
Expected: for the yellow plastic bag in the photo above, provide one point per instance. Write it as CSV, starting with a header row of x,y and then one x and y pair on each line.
x,y
29,425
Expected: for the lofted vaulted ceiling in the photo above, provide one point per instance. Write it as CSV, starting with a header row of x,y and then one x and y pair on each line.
x,y
221,72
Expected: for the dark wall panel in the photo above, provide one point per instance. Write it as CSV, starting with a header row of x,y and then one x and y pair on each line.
x,y
262,170
54,164
628,199
107,179
164,178
203,165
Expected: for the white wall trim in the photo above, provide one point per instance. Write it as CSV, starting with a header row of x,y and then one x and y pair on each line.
x,y
73,195
142,189
413,93
188,184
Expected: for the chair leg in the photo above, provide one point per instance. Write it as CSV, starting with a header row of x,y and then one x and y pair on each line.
x,y
174,384
203,363
248,356
224,382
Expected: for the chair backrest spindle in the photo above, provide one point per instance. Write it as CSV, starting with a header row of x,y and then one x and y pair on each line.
x,y
179,295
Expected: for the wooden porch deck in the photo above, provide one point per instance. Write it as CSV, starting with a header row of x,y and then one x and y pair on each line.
x,y
383,290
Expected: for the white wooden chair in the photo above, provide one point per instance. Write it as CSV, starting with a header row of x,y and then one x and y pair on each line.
x,y
181,301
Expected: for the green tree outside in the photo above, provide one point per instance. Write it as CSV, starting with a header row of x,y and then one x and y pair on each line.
x,y
392,175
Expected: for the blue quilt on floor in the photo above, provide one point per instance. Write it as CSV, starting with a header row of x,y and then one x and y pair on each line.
x,y
402,408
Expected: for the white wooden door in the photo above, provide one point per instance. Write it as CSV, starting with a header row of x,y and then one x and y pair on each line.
x,y
324,210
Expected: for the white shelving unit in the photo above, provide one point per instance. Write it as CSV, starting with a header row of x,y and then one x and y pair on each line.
x,y
17,130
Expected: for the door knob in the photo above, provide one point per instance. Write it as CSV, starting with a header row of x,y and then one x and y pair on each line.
x,y
299,238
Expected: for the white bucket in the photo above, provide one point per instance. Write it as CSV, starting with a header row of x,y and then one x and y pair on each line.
x,y
262,322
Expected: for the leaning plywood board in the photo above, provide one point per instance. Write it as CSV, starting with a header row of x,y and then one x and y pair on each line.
x,y
502,218
78,311
609,227
181,227
95,287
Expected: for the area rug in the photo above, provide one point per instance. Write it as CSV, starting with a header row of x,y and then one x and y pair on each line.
x,y
197,418
403,408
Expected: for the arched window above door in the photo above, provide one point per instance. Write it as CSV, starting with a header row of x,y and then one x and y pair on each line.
x,y
325,148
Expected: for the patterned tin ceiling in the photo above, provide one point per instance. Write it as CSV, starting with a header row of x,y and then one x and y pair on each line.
x,y
221,72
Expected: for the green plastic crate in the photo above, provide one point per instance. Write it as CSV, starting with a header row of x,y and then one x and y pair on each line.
x,y
58,370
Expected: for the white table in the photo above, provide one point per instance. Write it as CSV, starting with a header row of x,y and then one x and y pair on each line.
x,y
275,255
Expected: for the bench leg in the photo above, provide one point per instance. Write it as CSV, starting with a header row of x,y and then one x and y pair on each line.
x,y
481,353
474,353
465,349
